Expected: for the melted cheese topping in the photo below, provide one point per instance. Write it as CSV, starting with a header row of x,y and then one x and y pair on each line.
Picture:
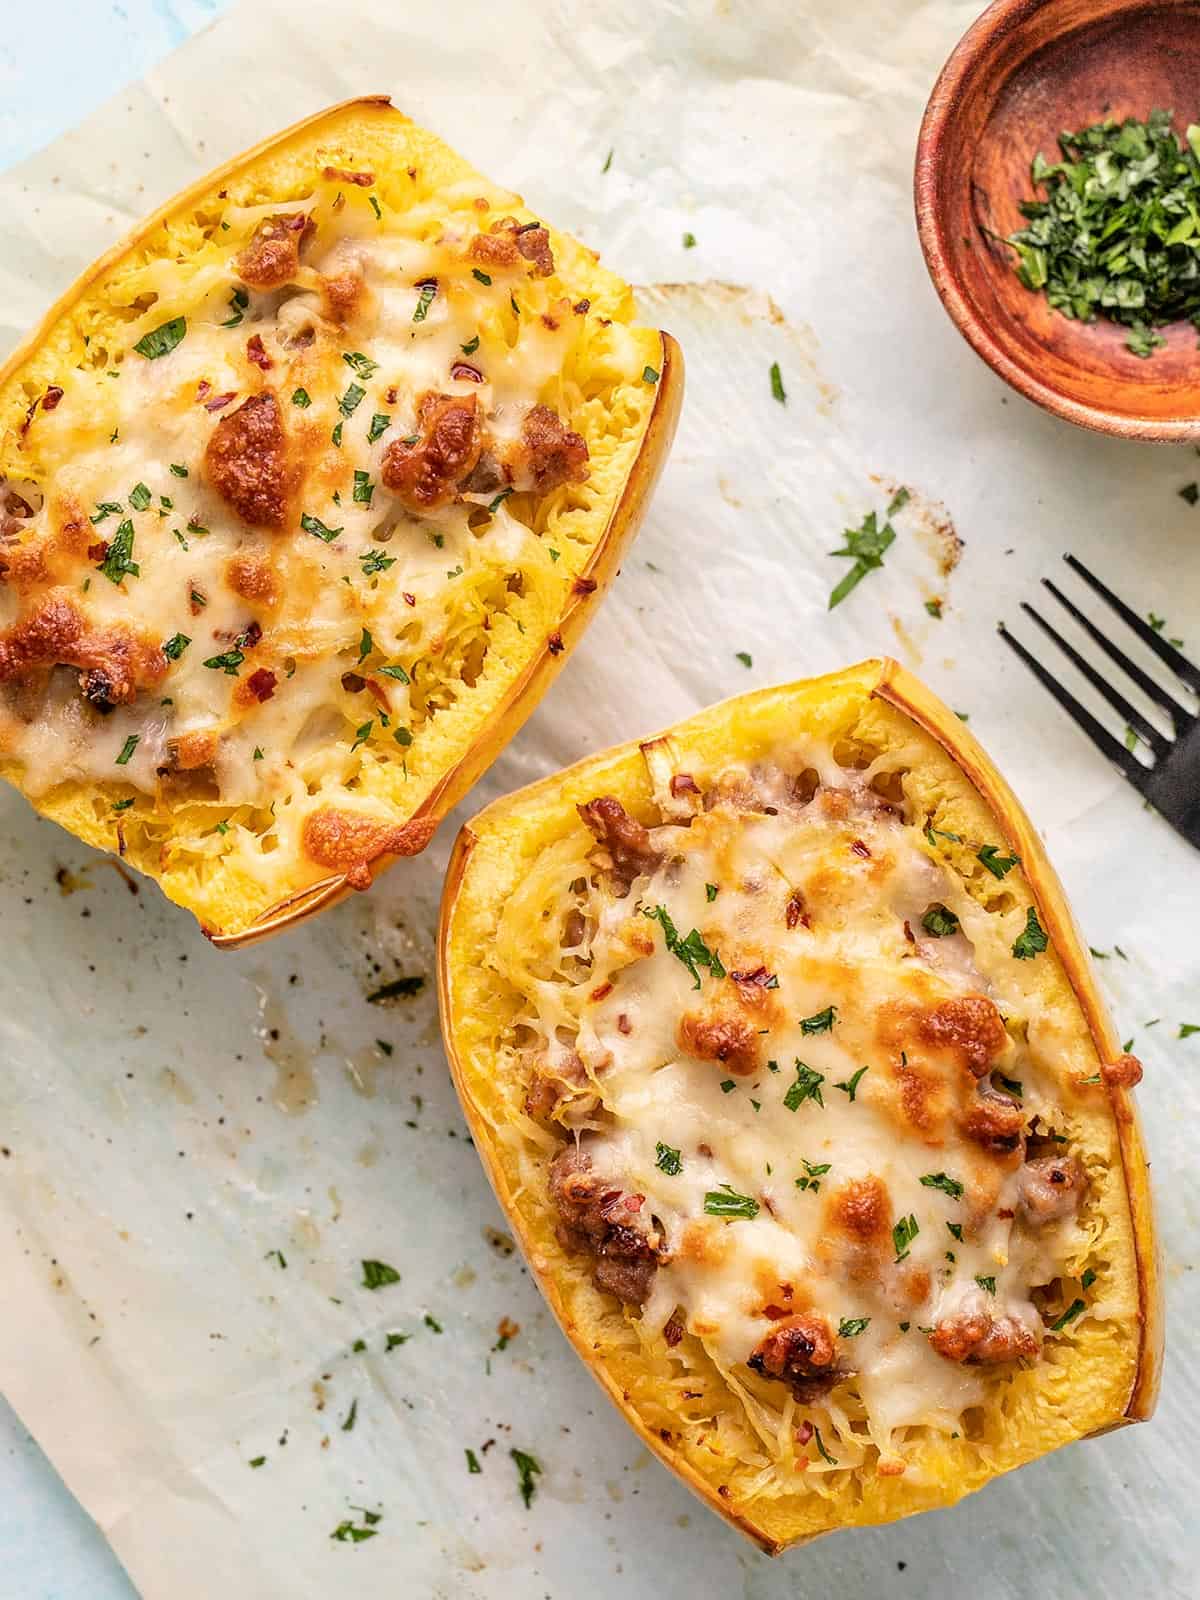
x,y
310,658
775,1097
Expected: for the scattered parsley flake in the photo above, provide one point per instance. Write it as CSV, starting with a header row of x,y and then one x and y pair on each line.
x,y
1033,940
865,546
667,1160
850,1087
472,1461
359,364
140,496
178,469
726,1202
380,423
940,922
806,1087
375,561
175,646
1069,1315
351,1417
301,398
689,241
777,388
162,340
999,866
118,562
528,1468
127,749
745,658
820,1022
227,662
711,891
377,1274
939,1180
481,276
650,375
692,951
351,400
903,1234
851,1327
471,346
317,528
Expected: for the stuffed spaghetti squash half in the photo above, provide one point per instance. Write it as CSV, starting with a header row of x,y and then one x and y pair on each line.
x,y
787,1064
306,489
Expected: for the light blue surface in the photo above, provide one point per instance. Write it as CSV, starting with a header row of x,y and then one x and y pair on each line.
x,y
67,58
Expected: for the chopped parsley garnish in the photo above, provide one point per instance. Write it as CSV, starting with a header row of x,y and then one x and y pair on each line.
x,y
1069,1315
806,1087
1033,940
122,805
140,496
821,1022
470,347
351,1417
692,951
988,1284
258,753
1013,1085
689,241
175,646
472,1461
475,273
667,1160
162,340
317,528
361,735
777,388
607,162
821,1450
117,562
650,375
363,488
359,364
745,658
301,398
903,1234
347,1532
727,1085
940,922
999,866
850,1087
350,401
814,1171
851,1327
238,301
432,1323
375,561
956,1230
377,1274
865,546
1187,1029
494,505
106,508
1117,233
178,469
726,1202
365,645
394,1340
934,607
933,834
396,989
1190,492
228,662
939,1180
527,1469
380,423
395,671
711,891
402,736
127,749
256,1461
1088,1279
375,207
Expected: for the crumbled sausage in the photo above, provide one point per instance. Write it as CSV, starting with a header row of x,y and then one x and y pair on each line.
x,y
271,256
547,454
983,1340
802,1353
994,1121
1123,1073
624,837
600,1219
1050,1189
246,462
427,474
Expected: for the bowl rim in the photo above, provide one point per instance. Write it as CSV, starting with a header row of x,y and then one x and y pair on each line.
x,y
949,91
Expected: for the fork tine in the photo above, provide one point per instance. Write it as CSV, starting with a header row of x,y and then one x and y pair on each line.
x,y
1177,713
1096,732
1166,653
1133,717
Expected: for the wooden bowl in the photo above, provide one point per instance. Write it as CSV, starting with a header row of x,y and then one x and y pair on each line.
x,y
1023,72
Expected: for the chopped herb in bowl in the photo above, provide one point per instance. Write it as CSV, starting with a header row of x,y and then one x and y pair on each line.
x,y
1118,234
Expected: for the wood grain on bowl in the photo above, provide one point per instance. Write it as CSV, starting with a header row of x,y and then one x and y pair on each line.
x,y
1023,72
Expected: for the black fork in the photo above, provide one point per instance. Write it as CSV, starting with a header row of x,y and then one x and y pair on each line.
x,y
1171,783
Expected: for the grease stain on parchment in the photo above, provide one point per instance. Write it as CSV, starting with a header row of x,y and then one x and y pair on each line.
x,y
798,343
295,1088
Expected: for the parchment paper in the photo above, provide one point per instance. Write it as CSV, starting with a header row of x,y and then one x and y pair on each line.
x,y
175,1125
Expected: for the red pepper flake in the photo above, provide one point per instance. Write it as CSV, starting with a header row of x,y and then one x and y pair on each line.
x,y
261,683
409,599
466,373
794,912
29,416
555,643
256,353
634,1202
683,783
197,600
1006,1214
581,307
858,848
908,933
220,400
623,1024
600,991
584,586
673,1330
297,221
251,635
804,1433
51,397
392,395
98,551
364,180
203,388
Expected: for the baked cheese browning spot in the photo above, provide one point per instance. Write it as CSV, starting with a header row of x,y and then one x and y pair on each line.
x,y
864,1254
115,663
272,256
351,843
246,462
